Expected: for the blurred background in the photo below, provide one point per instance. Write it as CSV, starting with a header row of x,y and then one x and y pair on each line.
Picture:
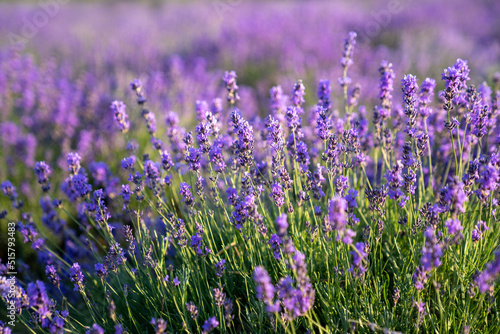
x,y
62,62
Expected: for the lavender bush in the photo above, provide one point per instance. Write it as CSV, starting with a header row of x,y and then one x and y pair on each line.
x,y
328,210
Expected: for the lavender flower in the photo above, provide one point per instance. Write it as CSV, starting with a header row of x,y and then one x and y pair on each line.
x,y
453,226
297,97
120,116
76,276
220,267
209,325
160,325
73,160
425,96
229,80
52,275
192,309
486,279
265,289
277,195
479,230
187,197
43,172
358,256
324,91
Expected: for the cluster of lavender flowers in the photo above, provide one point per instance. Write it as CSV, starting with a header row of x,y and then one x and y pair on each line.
x,y
323,202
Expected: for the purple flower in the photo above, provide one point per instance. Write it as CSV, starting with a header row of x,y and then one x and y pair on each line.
x,y
426,96
76,276
209,325
453,225
337,219
489,275
265,289
277,101
477,233
432,250
277,195
229,80
9,190
192,309
346,60
73,160
281,225
187,197
302,156
298,93
197,245
43,172
152,174
324,91
193,159
245,142
358,256
120,116
52,275
456,78
351,198
409,86
128,163
39,300
220,267
176,281
323,124
160,325
100,270
275,243
95,329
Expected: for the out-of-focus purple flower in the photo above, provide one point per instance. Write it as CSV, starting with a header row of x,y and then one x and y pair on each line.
x,y
9,190
275,243
265,288
480,228
486,279
426,96
209,325
120,115
192,309
277,102
197,245
43,171
160,325
358,256
73,159
298,92
453,225
229,80
39,300
432,250
324,91
220,267
346,60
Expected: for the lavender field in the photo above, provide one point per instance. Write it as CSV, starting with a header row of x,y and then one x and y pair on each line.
x,y
236,166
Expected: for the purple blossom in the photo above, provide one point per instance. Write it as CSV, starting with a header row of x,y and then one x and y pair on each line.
x,y
229,80
52,275
209,325
302,156
358,256
486,279
265,289
193,158
244,143
43,172
426,96
324,91
120,116
187,197
453,225
277,195
76,276
220,267
73,160
192,309
479,230
298,92
275,243
160,325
